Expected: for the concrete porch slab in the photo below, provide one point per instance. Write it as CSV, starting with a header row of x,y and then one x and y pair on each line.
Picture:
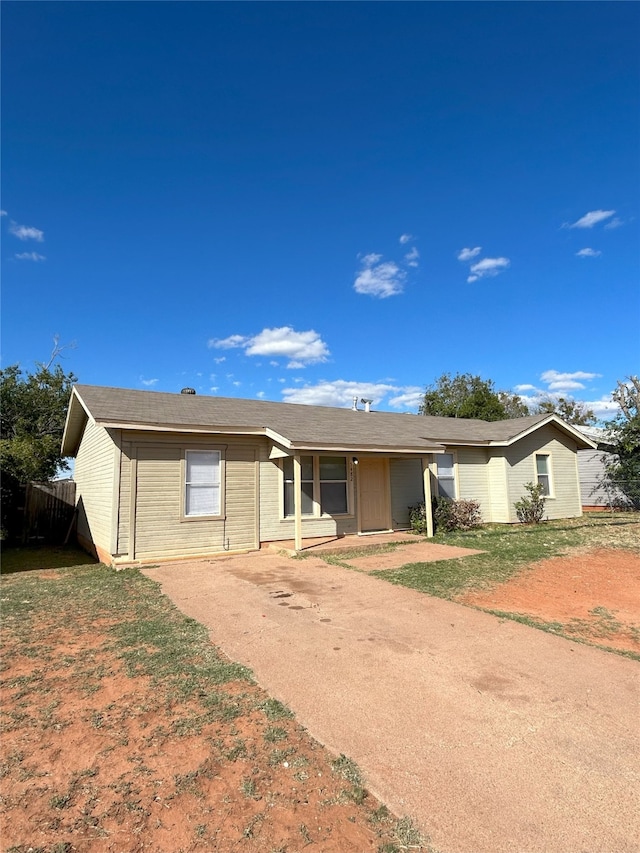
x,y
410,549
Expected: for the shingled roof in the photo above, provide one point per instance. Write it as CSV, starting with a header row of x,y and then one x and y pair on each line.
x,y
295,426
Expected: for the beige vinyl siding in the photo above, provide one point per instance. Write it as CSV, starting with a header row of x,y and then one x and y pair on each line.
x,y
273,527
498,487
407,489
122,546
472,478
161,531
94,478
564,501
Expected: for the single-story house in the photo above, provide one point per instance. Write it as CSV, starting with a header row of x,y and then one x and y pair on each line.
x,y
168,476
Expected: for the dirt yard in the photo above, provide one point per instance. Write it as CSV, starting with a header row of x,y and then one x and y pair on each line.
x,y
96,760
592,596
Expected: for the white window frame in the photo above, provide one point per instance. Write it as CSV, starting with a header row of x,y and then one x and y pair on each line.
x,y
220,484
453,479
317,508
549,475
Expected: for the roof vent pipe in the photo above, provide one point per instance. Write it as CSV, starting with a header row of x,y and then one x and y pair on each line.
x,y
367,404
354,407
188,391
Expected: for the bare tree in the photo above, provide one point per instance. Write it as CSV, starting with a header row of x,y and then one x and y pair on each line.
x,y
57,351
627,396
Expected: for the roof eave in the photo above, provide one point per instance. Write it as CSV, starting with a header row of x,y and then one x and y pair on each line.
x,y
77,416
344,447
208,429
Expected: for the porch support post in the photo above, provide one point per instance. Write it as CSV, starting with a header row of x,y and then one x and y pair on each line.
x,y
297,500
426,480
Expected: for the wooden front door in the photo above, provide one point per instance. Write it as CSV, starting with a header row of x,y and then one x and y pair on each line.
x,y
373,495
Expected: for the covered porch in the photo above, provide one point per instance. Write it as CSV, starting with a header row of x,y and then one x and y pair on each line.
x,y
372,489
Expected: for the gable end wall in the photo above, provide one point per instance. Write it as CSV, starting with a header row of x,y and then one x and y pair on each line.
x,y
94,477
521,469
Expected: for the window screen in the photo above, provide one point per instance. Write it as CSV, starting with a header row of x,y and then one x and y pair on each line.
x,y
542,471
202,482
446,476
333,484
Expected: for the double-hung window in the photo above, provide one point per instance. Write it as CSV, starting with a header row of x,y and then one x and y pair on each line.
x,y
543,472
446,475
333,485
307,485
202,491
325,485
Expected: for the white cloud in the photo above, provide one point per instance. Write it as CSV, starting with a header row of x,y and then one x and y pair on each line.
x,y
559,382
411,398
487,268
341,393
603,409
3,213
562,385
30,256
405,238
588,253
227,343
467,254
616,222
301,348
261,395
565,385
592,218
213,389
379,279
25,232
149,382
412,257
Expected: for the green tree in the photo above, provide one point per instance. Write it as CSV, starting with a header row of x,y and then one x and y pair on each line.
x,y
569,410
623,470
467,396
33,409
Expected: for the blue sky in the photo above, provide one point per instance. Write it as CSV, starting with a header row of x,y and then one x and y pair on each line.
x,y
314,201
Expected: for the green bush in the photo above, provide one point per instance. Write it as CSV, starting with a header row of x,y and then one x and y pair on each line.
x,y
418,518
530,510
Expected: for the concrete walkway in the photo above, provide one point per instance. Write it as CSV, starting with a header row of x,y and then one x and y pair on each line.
x,y
493,736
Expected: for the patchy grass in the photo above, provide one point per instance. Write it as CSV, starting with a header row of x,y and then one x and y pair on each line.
x,y
33,559
576,630
508,548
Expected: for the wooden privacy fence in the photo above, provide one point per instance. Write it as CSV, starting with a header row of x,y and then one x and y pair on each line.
x,y
48,513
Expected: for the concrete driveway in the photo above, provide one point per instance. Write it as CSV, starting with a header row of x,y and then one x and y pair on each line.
x,y
493,736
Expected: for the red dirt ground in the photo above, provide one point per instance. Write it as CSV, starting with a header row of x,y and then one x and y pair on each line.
x,y
593,595
107,765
